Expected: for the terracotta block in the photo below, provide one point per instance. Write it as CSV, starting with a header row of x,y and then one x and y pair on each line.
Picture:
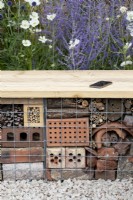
x,y
107,154
130,159
110,174
103,165
75,158
22,137
100,134
22,155
68,132
56,157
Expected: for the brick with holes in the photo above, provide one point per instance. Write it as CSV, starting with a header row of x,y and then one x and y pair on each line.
x,y
75,157
56,157
22,137
68,132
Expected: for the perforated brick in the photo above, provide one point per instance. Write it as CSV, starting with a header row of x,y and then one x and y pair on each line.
x,y
75,158
68,132
56,157
22,137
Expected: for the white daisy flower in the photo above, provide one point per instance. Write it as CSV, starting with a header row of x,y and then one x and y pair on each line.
x,y
73,44
26,43
33,2
25,24
128,62
34,22
34,15
123,9
2,5
129,16
43,39
51,16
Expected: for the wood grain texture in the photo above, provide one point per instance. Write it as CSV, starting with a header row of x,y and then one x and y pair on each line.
x,y
69,84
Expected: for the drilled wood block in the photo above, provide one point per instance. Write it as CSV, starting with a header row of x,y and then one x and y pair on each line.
x,y
22,155
68,132
33,116
22,137
56,157
75,158
106,175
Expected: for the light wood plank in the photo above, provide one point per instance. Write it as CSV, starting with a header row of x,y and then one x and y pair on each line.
x,y
70,84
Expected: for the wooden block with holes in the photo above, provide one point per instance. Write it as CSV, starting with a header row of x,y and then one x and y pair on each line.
x,y
33,116
68,132
56,157
75,157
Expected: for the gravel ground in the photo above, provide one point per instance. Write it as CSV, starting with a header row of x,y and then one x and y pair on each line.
x,y
67,190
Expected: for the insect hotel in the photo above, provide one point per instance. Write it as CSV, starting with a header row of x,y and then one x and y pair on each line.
x,y
54,126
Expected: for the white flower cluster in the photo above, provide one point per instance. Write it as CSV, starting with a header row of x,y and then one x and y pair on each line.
x,y
130,22
123,9
125,48
34,21
51,16
73,43
1,4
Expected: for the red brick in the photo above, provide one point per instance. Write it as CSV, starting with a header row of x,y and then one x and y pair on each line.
x,y
22,155
130,159
103,165
91,161
110,174
22,137
107,154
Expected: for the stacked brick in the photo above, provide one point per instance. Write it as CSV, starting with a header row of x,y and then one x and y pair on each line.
x,y
22,140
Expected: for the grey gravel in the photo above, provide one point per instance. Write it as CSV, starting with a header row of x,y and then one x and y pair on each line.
x,y
67,190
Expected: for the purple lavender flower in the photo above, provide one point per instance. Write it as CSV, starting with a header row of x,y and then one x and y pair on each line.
x,y
95,24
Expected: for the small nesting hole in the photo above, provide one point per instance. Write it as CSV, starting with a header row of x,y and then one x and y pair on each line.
x,y
10,136
23,136
36,137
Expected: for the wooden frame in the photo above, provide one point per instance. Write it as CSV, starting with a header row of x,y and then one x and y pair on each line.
x,y
68,84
